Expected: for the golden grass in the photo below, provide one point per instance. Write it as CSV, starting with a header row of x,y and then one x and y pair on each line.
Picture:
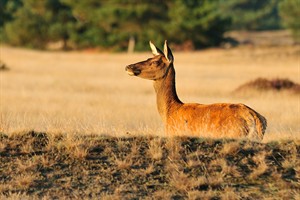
x,y
155,149
81,105
78,92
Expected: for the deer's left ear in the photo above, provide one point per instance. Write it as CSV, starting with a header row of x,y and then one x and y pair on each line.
x,y
168,52
155,51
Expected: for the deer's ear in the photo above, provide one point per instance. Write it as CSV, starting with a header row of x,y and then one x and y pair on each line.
x,y
168,52
155,51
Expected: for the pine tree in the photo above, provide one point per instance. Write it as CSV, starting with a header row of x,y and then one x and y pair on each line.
x,y
36,23
251,14
290,14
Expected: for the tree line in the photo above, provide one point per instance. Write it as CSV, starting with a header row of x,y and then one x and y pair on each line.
x,y
110,24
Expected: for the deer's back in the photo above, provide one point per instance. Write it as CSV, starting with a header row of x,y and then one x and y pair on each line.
x,y
216,120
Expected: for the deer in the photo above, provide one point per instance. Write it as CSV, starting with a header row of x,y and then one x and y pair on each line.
x,y
218,120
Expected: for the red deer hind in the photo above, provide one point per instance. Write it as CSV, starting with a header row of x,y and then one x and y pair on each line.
x,y
214,120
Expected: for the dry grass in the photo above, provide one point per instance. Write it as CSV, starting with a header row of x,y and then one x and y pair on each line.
x,y
97,133
79,92
155,149
275,85
260,165
118,168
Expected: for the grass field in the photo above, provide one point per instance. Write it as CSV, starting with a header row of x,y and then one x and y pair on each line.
x,y
79,106
86,92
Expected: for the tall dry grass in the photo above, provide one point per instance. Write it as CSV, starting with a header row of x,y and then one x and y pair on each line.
x,y
81,92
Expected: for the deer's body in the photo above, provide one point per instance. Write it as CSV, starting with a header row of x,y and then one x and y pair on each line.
x,y
214,120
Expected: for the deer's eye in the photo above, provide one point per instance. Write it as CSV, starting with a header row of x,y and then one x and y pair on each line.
x,y
156,63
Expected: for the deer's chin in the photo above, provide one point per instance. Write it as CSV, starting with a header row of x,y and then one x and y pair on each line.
x,y
130,73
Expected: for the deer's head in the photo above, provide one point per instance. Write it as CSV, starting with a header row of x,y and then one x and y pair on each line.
x,y
153,68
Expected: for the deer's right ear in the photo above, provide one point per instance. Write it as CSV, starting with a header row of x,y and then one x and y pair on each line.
x,y
168,52
155,51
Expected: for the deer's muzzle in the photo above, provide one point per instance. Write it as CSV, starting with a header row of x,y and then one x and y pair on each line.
x,y
132,70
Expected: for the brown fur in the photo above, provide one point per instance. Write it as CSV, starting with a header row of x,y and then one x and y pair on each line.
x,y
214,120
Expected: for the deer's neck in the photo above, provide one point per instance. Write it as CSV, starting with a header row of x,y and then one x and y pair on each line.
x,y
166,96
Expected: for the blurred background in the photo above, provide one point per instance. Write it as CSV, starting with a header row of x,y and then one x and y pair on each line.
x,y
128,25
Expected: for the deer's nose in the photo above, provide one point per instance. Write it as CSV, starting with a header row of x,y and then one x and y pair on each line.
x,y
129,67
132,70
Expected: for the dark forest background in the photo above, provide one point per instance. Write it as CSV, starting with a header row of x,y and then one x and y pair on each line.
x,y
109,25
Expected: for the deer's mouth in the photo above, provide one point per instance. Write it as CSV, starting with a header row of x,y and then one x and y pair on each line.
x,y
132,71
